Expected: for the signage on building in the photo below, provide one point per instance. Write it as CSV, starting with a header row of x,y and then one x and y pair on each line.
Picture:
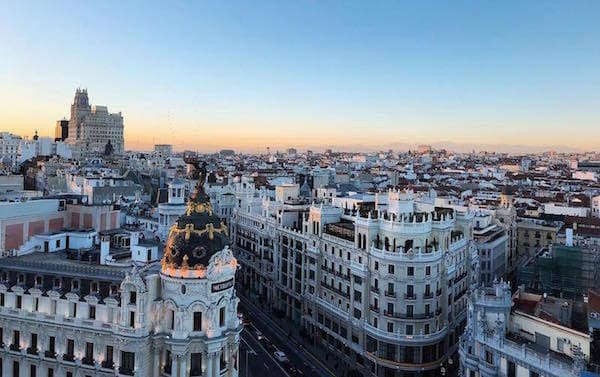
x,y
218,287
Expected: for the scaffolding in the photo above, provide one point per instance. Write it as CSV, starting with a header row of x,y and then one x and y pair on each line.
x,y
562,271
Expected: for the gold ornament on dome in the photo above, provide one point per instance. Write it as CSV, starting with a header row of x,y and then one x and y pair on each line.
x,y
209,228
199,208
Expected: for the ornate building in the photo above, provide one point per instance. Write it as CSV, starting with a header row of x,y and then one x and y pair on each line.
x,y
521,335
385,286
110,308
92,128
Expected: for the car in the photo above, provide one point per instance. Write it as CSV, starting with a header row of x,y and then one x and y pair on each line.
x,y
259,335
280,356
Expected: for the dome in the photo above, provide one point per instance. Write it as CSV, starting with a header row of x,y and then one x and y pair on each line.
x,y
197,235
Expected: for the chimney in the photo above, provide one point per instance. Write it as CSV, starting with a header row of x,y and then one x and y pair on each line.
x,y
135,239
569,239
104,249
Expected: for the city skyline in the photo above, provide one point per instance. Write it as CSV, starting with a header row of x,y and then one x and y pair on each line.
x,y
208,76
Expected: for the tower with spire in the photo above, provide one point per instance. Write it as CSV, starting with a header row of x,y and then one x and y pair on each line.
x,y
198,275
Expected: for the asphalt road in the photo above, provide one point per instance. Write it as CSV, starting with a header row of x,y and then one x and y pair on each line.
x,y
298,357
260,362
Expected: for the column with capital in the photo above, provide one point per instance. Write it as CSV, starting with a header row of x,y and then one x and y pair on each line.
x,y
183,359
7,367
156,362
218,363
175,365
229,359
209,364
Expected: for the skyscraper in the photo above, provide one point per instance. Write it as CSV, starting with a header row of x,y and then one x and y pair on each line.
x,y
91,128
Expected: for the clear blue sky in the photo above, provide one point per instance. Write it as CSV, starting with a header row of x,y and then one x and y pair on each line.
x,y
246,74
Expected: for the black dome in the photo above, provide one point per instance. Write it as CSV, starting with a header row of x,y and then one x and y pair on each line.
x,y
198,234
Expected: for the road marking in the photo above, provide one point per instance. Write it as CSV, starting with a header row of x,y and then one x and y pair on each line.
x,y
250,306
269,354
252,351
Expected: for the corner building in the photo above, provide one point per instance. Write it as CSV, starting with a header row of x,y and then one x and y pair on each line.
x,y
98,312
384,287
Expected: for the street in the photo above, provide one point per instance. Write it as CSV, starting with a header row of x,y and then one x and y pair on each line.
x,y
299,358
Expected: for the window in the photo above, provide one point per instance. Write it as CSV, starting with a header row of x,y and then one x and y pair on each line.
x,y
131,319
33,344
390,327
428,270
512,369
410,271
92,312
1,299
52,345
390,269
19,302
222,317
127,363
409,329
70,347
89,353
50,372
17,339
197,321
132,298
196,367
376,266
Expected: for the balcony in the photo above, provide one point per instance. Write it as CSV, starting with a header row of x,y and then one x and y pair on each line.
x,y
374,308
32,351
428,295
410,297
87,361
70,358
15,347
107,364
50,354
374,289
438,292
126,371
390,293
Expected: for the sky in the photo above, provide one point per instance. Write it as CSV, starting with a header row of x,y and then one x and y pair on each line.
x,y
206,75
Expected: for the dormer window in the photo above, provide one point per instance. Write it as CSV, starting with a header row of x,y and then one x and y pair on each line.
x,y
21,278
56,283
132,297
94,288
75,285
113,290
4,276
38,281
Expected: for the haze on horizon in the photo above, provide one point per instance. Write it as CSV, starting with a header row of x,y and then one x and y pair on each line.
x,y
247,75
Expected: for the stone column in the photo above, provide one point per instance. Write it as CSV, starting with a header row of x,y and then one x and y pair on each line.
x,y
184,372
208,372
7,366
217,359
156,363
175,365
